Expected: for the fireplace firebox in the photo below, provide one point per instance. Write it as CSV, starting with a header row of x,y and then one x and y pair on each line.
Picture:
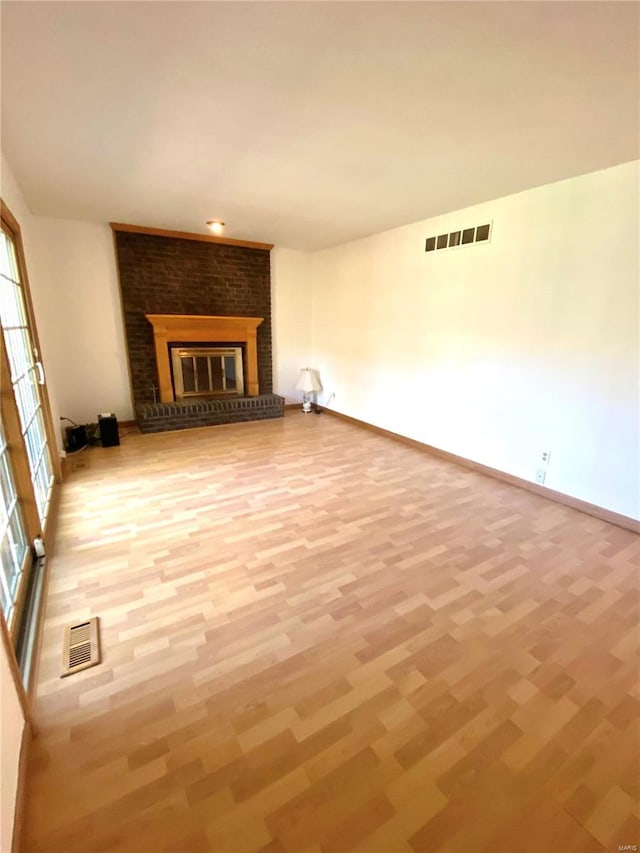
x,y
207,371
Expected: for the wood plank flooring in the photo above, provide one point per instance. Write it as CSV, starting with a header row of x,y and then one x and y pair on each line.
x,y
317,639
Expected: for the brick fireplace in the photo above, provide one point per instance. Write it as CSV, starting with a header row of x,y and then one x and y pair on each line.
x,y
170,329
182,289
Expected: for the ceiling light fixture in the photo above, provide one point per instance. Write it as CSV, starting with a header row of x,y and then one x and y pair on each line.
x,y
216,225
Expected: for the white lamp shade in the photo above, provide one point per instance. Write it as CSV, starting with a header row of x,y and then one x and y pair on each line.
x,y
307,381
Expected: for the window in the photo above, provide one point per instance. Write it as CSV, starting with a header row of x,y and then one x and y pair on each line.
x,y
28,465
14,549
26,373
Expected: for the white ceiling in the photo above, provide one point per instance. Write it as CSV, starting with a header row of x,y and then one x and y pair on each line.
x,y
309,124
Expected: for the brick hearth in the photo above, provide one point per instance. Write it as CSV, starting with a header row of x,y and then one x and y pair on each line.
x,y
159,417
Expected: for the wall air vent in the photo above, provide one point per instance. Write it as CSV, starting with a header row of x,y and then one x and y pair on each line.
x,y
462,237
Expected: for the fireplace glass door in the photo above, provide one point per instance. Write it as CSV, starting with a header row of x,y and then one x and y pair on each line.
x,y
207,371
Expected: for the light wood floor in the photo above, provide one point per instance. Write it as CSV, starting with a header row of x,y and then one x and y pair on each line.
x,y
317,639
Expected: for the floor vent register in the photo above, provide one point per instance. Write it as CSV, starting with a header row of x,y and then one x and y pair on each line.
x,y
81,647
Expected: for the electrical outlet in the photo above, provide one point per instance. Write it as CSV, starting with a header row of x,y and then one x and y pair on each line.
x,y
541,475
546,456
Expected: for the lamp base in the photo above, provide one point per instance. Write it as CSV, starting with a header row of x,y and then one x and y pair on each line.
x,y
306,407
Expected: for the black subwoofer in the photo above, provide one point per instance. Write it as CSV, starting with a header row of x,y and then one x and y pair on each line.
x,y
108,427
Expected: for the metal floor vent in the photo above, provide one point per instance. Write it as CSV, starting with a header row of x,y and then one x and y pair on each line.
x,y
81,647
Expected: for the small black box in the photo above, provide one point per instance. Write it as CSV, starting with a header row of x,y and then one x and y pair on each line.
x,y
75,438
108,426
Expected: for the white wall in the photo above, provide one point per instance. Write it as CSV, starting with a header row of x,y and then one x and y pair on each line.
x,y
76,300
291,319
82,316
11,728
499,351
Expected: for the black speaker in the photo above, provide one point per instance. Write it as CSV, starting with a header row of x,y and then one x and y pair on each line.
x,y
75,438
108,426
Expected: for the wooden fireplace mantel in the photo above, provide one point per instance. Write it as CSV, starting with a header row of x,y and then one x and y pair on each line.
x,y
191,328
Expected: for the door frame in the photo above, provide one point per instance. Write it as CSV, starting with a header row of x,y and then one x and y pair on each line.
x,y
22,475
11,224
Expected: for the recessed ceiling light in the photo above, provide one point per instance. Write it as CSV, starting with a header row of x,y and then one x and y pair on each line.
x,y
216,225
